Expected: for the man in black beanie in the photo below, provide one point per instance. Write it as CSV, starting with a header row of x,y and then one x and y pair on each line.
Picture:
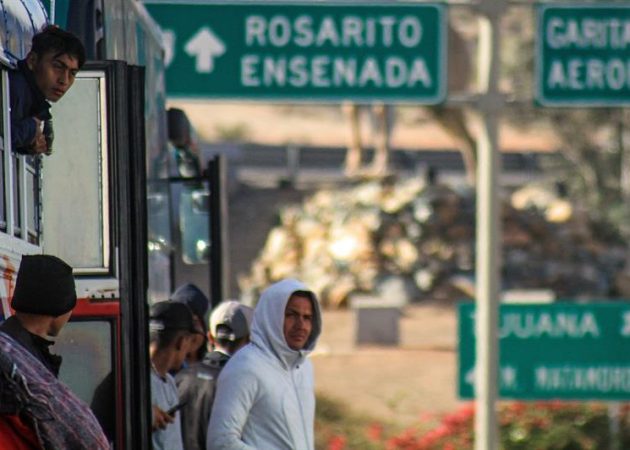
x,y
43,300
35,406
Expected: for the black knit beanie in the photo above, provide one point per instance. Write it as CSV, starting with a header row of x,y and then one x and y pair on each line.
x,y
45,286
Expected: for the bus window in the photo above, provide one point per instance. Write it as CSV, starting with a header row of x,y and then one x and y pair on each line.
x,y
26,197
17,197
194,226
86,361
32,199
3,214
75,187
19,182
88,366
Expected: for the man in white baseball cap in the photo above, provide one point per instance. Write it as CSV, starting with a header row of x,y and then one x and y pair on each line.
x,y
229,330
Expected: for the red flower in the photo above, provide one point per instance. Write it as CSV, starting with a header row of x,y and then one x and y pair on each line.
x,y
375,432
337,443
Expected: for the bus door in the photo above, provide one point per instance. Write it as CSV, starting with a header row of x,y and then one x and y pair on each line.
x,y
94,217
197,208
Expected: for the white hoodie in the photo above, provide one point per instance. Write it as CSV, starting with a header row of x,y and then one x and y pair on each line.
x,y
265,396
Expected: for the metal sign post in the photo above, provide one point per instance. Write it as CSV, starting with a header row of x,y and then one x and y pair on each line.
x,y
488,230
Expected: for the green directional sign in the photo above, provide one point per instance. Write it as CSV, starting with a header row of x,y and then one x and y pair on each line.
x,y
316,51
559,351
583,55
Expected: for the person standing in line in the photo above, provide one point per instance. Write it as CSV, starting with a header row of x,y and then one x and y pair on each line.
x,y
191,295
36,409
44,76
265,395
230,323
170,328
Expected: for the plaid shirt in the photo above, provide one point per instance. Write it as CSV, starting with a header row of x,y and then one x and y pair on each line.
x,y
60,419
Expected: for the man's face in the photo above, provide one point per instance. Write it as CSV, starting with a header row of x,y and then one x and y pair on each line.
x,y
181,349
197,339
54,74
58,323
298,321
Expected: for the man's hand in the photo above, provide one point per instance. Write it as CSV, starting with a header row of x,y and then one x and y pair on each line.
x,y
38,145
160,418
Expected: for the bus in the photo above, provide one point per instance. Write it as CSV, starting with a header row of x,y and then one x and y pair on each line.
x,y
103,201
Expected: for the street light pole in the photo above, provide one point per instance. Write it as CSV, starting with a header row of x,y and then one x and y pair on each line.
x,y
489,105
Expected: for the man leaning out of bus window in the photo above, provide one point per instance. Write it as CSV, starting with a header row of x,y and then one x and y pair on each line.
x,y
44,76
36,409
170,327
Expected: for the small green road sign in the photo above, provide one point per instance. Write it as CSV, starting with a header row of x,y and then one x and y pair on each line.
x,y
583,54
558,350
315,51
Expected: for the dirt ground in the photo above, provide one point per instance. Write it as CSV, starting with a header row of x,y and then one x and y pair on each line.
x,y
398,384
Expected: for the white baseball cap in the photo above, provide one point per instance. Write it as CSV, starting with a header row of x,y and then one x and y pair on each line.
x,y
231,320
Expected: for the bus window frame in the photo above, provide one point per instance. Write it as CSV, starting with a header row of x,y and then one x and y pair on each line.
x,y
106,266
8,238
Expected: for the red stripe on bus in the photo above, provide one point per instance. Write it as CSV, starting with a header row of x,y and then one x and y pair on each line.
x,y
90,308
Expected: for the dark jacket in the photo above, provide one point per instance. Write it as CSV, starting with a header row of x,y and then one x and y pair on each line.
x,y
36,345
197,385
27,101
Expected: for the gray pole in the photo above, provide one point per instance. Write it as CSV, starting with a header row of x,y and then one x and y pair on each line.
x,y
488,229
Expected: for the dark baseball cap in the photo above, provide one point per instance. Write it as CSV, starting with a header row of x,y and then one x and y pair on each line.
x,y
170,315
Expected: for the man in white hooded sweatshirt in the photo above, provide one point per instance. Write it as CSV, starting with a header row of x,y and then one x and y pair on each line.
x,y
265,397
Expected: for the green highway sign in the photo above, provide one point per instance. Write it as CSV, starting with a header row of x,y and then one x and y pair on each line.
x,y
315,51
583,54
557,350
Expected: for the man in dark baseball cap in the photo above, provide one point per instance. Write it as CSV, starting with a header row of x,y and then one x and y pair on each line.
x,y
43,301
170,316
170,328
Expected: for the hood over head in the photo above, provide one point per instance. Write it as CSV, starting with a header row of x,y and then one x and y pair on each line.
x,y
268,325
191,296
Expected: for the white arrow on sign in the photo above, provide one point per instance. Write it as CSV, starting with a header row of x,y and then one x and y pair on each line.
x,y
205,46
